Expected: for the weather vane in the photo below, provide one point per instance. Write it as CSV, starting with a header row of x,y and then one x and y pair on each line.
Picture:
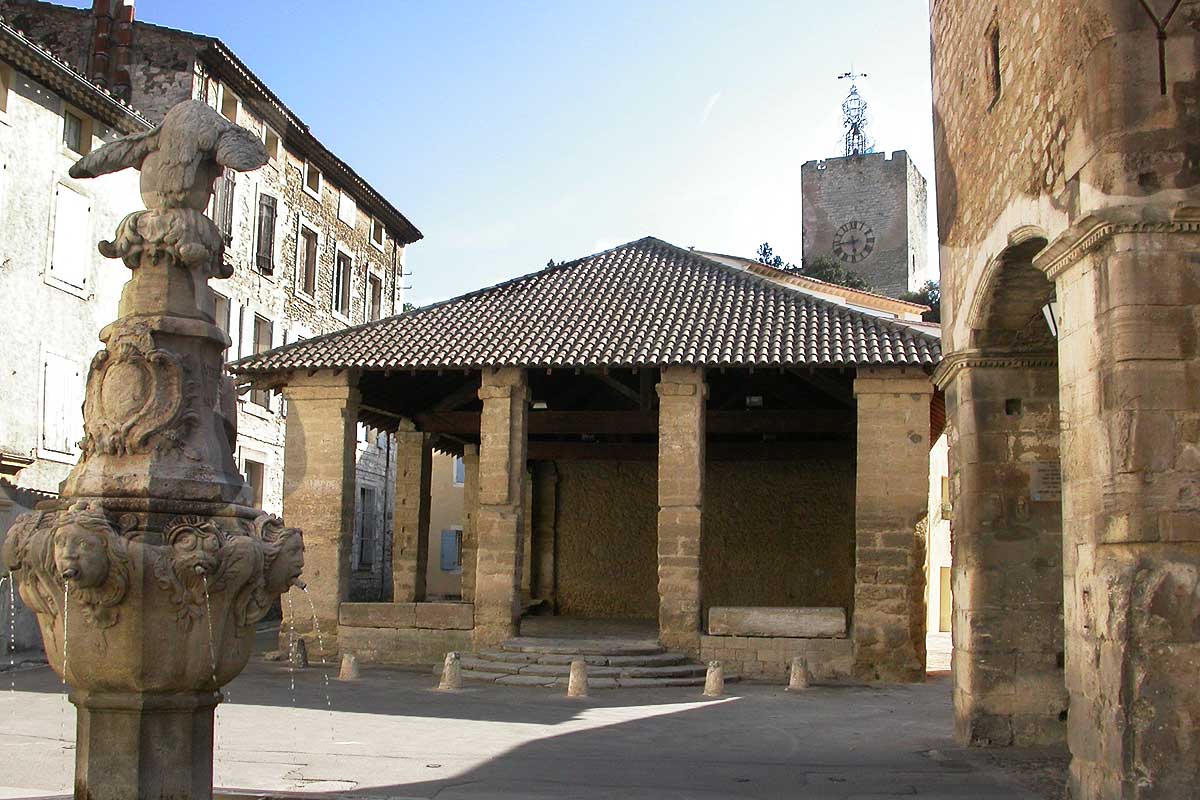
x,y
854,117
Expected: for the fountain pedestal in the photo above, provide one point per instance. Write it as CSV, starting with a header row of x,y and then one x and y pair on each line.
x,y
150,570
129,743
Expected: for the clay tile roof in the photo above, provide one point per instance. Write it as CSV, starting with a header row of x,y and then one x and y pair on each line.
x,y
643,303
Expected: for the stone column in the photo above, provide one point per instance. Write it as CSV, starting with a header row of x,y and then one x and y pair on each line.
x,y
470,538
891,499
500,521
410,540
527,538
682,393
1007,550
1129,379
318,498
544,513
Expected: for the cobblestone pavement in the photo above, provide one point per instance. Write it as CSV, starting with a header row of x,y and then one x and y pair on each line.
x,y
389,735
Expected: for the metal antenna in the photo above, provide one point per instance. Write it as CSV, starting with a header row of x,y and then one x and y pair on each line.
x,y
854,117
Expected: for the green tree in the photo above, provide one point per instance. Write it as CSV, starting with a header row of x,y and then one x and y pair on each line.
x,y
822,268
930,294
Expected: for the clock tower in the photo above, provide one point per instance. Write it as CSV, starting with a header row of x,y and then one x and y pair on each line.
x,y
868,211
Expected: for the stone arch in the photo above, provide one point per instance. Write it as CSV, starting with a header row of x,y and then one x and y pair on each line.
x,y
1002,396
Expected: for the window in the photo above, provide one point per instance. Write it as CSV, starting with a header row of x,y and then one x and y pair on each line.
x,y
221,315
254,479
460,471
229,104
366,527
377,233
223,204
993,62
71,257
375,289
74,132
309,242
264,254
263,331
363,433
347,210
312,180
451,556
62,405
271,142
342,271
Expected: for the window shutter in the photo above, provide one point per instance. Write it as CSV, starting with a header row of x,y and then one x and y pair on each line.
x,y
225,191
62,405
71,255
450,545
265,254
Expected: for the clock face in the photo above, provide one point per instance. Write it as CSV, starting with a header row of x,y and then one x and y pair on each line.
x,y
853,242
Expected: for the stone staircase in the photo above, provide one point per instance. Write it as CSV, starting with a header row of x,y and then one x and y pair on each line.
x,y
612,663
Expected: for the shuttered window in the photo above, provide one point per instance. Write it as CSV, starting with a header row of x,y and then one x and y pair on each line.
x,y
264,254
347,209
451,550
308,260
62,405
263,331
221,316
343,271
70,260
375,287
223,208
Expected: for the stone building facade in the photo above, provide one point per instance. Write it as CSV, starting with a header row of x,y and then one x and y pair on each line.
x,y
1068,188
314,247
869,212
56,291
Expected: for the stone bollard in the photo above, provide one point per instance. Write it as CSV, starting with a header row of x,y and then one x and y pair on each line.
x,y
800,677
299,654
349,670
577,683
451,673
714,680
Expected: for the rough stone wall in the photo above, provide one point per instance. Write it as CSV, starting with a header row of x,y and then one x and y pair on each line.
x,y
607,539
886,193
1085,148
1008,624
770,659
779,533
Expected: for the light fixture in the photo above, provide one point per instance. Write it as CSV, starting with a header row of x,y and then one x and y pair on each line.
x,y
1050,312
754,401
540,405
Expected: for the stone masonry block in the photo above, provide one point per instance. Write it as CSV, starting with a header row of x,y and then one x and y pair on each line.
x,y
445,616
773,622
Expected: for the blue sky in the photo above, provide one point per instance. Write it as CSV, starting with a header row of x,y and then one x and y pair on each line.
x,y
515,132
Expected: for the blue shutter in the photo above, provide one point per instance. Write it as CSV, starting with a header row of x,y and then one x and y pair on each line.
x,y
451,544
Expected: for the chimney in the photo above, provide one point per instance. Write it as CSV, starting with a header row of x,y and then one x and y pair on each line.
x,y
112,39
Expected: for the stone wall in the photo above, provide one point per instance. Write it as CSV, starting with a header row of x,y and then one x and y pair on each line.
x,y
777,533
886,193
770,659
404,633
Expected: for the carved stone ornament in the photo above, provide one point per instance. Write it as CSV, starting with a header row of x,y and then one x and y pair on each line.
x,y
136,397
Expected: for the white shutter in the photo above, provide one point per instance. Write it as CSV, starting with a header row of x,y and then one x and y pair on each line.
x,y
347,209
235,330
71,258
62,405
246,344
277,341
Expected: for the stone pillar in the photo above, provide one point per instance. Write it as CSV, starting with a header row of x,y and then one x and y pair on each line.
x,y
410,540
500,521
318,498
144,745
1129,380
527,538
544,512
470,537
1007,550
682,393
891,499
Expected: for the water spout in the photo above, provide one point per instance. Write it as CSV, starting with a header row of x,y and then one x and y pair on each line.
x,y
301,585
70,574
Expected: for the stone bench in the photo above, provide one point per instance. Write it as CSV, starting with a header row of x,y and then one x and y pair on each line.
x,y
796,623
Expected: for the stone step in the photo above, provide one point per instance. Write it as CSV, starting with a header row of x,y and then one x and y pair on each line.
x,y
581,647
647,660
560,682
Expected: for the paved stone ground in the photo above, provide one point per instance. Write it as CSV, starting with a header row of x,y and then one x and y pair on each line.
x,y
389,735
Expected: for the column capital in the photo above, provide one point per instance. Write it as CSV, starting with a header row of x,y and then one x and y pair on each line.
x,y
325,384
892,380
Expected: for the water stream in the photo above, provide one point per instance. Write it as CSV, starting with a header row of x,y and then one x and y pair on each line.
x,y
291,620
66,701
324,664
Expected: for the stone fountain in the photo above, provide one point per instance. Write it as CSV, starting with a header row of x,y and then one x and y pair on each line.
x,y
149,572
